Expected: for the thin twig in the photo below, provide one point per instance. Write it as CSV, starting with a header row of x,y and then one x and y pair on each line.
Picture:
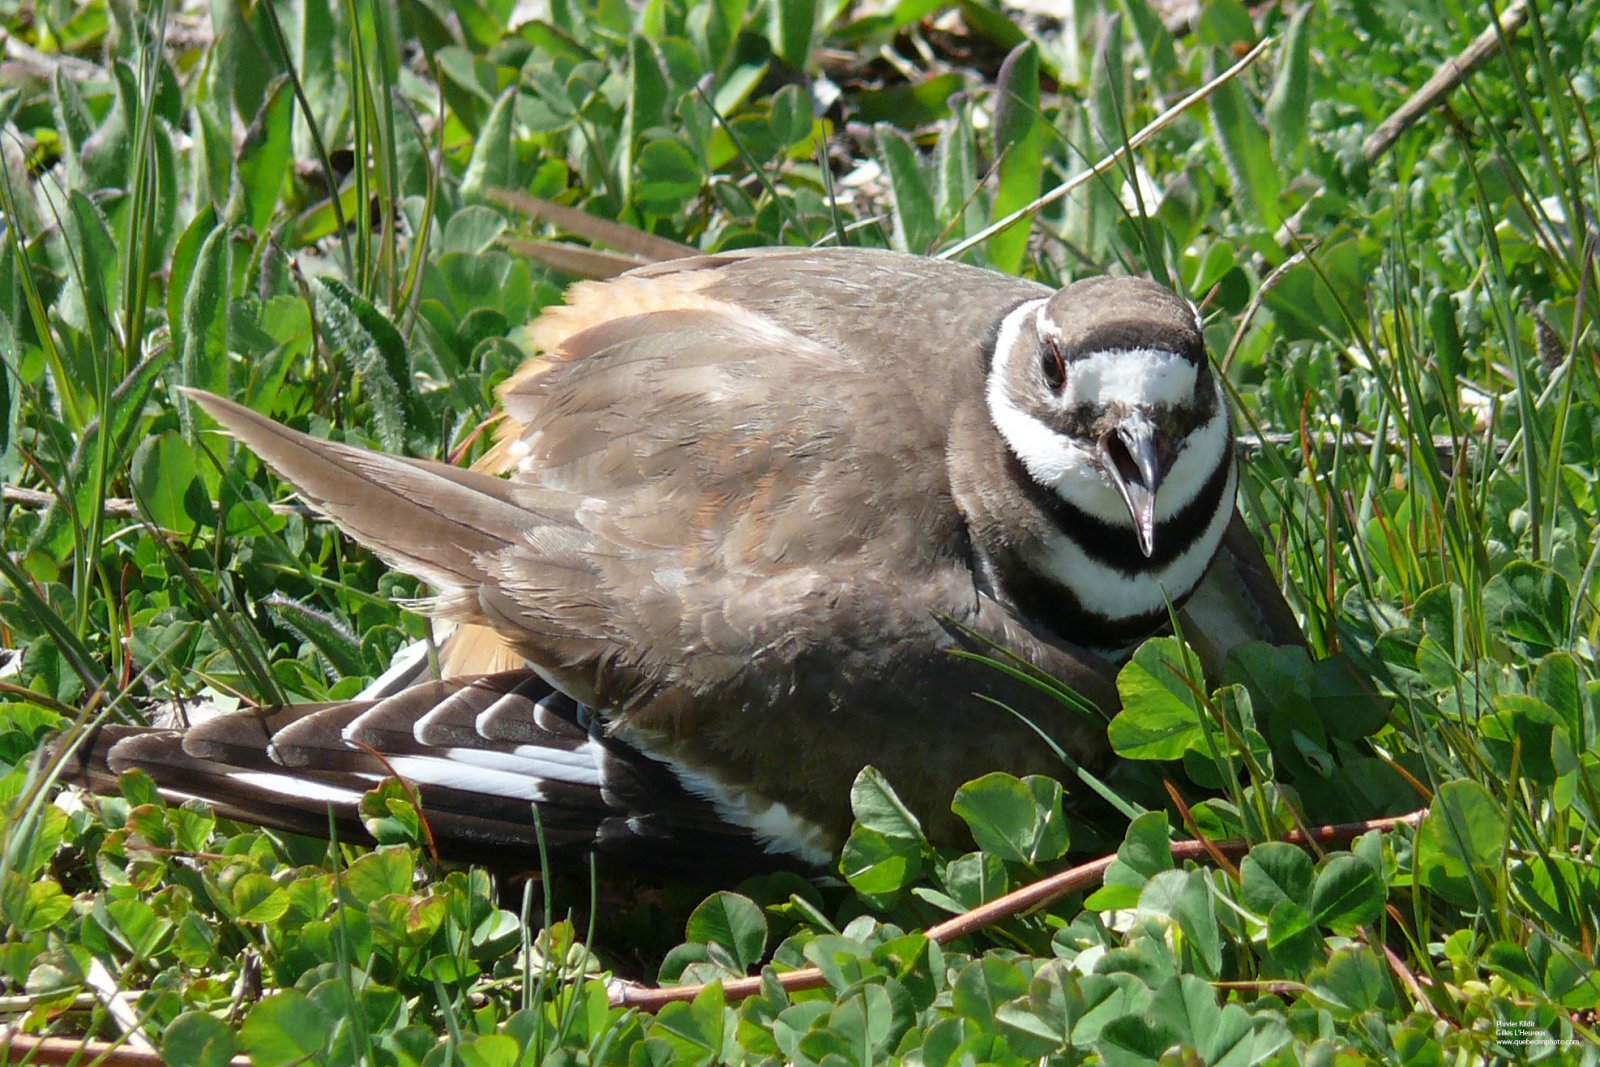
x,y
1444,81
1248,444
1029,897
65,1051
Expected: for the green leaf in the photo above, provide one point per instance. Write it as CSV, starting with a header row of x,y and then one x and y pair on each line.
x,y
1521,730
1289,104
380,874
202,340
491,165
735,923
1348,893
1160,716
263,162
1529,606
668,175
1020,134
694,1031
858,1028
1275,872
284,1030
1245,151
1146,851
794,24
1292,937
323,630
1354,981
256,899
999,810
490,1050
376,351
389,815
33,907
916,226
166,483
1186,897
1154,38
1464,833
955,165
791,118
985,984
1108,89
1016,820
199,1039
877,807
876,864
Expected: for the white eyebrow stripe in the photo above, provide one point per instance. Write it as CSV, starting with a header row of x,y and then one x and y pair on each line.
x,y
1130,377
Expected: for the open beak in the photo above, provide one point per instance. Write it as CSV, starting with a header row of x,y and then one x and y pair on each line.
x,y
1132,455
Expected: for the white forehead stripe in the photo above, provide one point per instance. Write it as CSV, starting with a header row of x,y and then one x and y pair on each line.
x,y
1129,377
1045,454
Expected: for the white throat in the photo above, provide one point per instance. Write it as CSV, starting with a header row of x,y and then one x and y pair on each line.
x,y
1072,469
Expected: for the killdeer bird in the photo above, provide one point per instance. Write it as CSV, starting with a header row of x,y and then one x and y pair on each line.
x,y
756,505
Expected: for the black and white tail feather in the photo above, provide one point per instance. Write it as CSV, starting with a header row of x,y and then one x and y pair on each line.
x,y
482,753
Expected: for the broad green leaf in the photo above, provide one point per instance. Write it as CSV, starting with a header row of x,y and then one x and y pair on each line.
x,y
472,230
256,899
1019,139
1146,851
1354,981
284,1030
1464,829
876,806
263,161
985,984
1160,716
379,874
1528,605
1243,145
735,923
791,118
1272,873
33,907
199,1039
1185,897
167,485
493,155
1000,812
794,24
695,1030
1289,104
1292,937
667,176
1347,894
489,1050
916,226
202,340
1018,820
1521,731
876,864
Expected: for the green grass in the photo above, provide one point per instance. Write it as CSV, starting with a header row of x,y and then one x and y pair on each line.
x,y
1418,354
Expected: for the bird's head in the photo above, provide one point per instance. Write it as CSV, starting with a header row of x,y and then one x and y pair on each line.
x,y
1104,394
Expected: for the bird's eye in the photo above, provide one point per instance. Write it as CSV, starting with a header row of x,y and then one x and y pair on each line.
x,y
1052,364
